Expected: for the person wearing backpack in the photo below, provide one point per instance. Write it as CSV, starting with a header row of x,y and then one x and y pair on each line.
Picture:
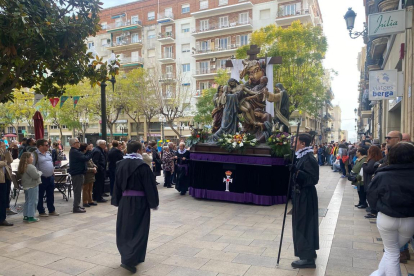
x,y
31,178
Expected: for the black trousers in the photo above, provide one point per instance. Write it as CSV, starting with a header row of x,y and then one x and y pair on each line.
x,y
98,186
362,196
4,199
8,184
167,178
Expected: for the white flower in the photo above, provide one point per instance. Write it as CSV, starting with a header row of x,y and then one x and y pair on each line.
x,y
284,143
254,140
234,145
241,144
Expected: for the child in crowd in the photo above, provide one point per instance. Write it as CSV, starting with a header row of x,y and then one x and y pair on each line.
x,y
30,177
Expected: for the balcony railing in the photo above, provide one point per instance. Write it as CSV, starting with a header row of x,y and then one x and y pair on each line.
x,y
209,70
121,24
219,26
166,35
126,41
127,60
168,55
283,13
165,15
204,51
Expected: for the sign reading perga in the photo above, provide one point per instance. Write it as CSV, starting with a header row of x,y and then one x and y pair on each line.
x,y
386,23
383,85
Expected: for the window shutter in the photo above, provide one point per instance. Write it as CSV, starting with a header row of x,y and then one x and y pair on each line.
x,y
297,8
208,45
237,40
248,38
197,67
216,44
228,43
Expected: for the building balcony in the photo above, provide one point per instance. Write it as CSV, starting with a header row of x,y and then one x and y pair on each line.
x,y
132,61
125,44
222,10
220,29
167,78
167,58
165,17
378,46
208,73
304,16
167,37
388,5
123,26
217,52
366,114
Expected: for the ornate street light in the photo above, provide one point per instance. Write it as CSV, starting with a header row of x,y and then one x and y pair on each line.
x,y
350,21
355,110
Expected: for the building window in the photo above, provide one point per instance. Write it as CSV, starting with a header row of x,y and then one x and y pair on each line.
x,y
204,25
204,85
151,16
185,8
203,4
134,56
185,48
185,28
244,18
168,52
265,14
118,22
104,25
168,12
151,34
105,42
20,129
135,38
222,63
134,20
91,45
223,2
289,9
119,40
186,67
204,67
223,43
151,53
244,40
224,21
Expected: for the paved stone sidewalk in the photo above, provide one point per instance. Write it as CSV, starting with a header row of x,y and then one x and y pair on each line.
x,y
192,237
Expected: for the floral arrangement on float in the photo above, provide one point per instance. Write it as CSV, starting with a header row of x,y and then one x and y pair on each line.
x,y
279,143
199,134
237,141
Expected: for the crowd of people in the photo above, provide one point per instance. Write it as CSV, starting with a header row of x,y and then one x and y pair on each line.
x,y
89,167
383,175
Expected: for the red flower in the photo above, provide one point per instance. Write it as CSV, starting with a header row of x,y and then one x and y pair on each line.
x,y
198,136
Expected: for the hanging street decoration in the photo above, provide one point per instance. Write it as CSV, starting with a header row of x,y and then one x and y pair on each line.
x,y
54,101
75,100
63,100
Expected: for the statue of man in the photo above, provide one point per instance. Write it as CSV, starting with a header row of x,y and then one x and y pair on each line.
x,y
263,125
257,100
281,100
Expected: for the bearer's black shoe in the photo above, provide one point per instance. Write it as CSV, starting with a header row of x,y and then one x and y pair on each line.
x,y
102,200
131,269
304,264
105,195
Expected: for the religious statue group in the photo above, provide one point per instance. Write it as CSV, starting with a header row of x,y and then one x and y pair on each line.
x,y
245,104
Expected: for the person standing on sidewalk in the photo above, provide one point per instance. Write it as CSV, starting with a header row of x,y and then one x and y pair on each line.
x,y
43,162
135,192
305,223
115,154
391,193
77,168
361,155
31,178
89,178
5,180
343,154
99,159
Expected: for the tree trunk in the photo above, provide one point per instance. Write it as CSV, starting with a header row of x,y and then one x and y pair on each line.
x,y
173,129
61,134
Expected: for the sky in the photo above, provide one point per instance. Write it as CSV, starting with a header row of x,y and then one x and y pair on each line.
x,y
341,56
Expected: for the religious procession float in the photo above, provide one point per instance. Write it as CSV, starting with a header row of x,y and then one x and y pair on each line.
x,y
244,156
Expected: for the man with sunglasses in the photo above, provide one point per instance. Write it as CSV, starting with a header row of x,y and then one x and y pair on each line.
x,y
43,162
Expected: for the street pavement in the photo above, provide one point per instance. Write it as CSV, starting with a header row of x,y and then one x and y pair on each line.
x,y
191,237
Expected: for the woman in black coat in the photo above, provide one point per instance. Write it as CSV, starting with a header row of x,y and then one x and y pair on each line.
x,y
374,155
391,193
156,160
183,169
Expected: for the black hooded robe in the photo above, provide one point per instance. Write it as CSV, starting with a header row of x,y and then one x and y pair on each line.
x,y
133,221
305,223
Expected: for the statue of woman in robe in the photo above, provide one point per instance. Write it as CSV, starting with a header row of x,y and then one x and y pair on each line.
x,y
217,113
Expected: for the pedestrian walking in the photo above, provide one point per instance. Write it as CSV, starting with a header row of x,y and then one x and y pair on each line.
x,y
305,221
168,166
43,162
77,169
135,193
30,180
391,193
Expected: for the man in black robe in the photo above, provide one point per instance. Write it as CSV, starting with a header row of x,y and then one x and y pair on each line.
x,y
135,192
305,223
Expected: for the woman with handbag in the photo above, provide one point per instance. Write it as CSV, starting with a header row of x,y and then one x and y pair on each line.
x,y
356,177
374,155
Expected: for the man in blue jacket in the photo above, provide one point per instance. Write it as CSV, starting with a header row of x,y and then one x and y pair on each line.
x,y
77,168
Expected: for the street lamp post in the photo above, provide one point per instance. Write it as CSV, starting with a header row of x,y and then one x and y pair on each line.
x,y
85,125
181,127
162,121
350,21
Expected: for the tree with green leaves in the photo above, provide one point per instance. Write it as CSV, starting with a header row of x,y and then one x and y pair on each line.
x,y
205,104
42,44
18,112
302,48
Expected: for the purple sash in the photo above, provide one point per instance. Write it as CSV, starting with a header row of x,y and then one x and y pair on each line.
x,y
133,193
